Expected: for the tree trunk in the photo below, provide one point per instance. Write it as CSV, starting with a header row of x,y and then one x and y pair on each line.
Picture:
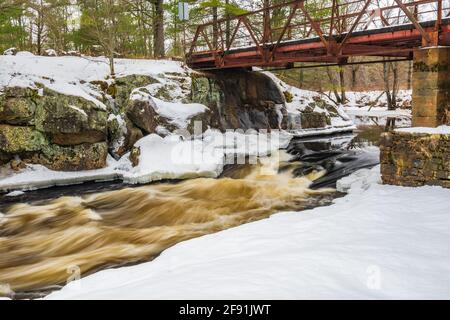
x,y
227,26
40,29
387,88
395,84
158,29
215,28
267,29
342,84
354,76
391,93
175,33
333,84
301,76
410,64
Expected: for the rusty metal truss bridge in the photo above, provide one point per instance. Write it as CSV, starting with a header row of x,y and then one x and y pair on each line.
x,y
319,31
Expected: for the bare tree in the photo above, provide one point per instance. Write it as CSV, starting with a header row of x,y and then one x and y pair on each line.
x,y
390,72
103,20
337,85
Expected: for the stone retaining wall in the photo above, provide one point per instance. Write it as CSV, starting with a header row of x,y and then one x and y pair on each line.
x,y
415,159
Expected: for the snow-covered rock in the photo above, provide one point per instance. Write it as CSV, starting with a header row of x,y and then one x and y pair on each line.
x,y
50,53
359,181
311,111
71,75
24,54
10,52
15,193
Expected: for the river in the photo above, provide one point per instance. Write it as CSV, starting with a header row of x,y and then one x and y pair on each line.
x,y
50,236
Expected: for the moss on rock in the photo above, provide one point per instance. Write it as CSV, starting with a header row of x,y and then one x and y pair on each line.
x,y
74,158
61,114
125,85
18,139
17,111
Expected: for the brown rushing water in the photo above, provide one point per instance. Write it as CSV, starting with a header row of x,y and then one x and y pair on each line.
x,y
44,241
41,244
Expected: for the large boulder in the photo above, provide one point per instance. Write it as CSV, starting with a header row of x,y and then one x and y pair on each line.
x,y
314,120
125,85
320,103
70,120
10,52
142,113
75,158
240,99
20,92
317,114
33,147
18,111
18,105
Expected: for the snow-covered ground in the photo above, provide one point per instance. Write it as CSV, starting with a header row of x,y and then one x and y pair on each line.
x,y
378,242
370,108
361,109
438,130
72,75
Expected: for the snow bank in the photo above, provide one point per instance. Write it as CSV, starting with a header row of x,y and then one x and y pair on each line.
x,y
329,130
379,242
359,181
370,108
37,177
438,130
377,98
161,158
71,75
178,113
378,115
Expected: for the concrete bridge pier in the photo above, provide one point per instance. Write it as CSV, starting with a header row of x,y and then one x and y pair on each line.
x,y
431,87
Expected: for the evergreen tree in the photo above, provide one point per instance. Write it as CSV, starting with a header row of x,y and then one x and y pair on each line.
x,y
12,30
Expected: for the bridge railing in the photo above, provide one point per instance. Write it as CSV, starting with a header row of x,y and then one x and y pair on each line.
x,y
331,21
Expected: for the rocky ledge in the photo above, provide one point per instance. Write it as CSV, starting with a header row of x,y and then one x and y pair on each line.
x,y
69,124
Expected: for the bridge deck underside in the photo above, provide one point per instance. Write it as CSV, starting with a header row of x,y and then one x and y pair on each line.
x,y
394,41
